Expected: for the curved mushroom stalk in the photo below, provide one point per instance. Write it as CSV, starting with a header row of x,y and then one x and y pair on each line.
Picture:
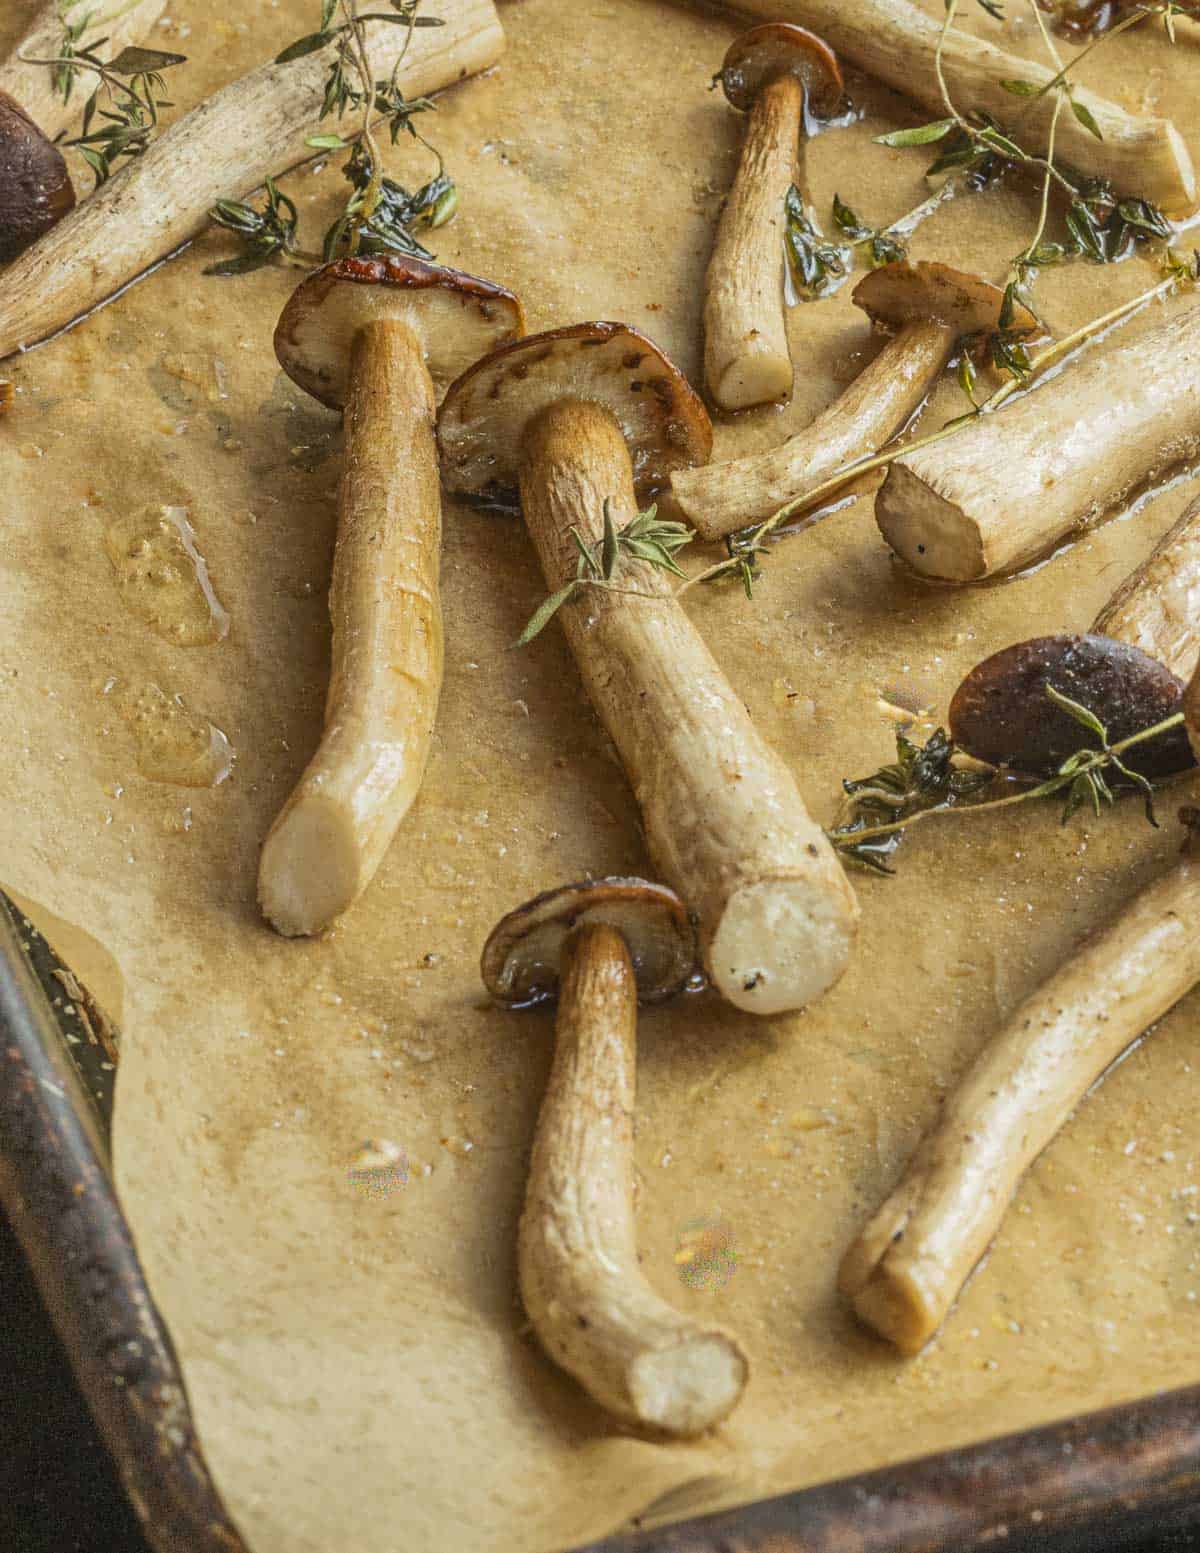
x,y
592,1309
1157,608
386,675
769,70
120,22
369,335
930,307
906,1269
723,817
1008,487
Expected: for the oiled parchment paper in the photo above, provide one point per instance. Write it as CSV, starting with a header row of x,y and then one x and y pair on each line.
x,y
358,1360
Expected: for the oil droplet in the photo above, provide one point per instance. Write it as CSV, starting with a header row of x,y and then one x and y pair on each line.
x,y
162,577
175,745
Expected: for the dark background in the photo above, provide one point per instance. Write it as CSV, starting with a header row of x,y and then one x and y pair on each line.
x,y
58,1493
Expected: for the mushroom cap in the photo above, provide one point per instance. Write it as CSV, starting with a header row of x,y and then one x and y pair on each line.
x,y
771,50
522,958
904,293
1001,713
484,415
457,318
35,187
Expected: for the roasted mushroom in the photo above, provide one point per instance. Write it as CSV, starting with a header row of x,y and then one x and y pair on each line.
x,y
35,187
372,336
599,948
582,420
929,308
774,73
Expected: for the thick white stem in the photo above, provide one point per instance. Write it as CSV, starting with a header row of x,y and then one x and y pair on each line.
x,y
1007,488
724,820
590,1306
386,676
896,42
907,1267
746,356
224,149
33,85
1157,608
719,499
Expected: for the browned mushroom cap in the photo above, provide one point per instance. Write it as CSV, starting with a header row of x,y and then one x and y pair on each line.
x,y
522,957
904,293
35,189
485,413
456,317
763,54
1002,714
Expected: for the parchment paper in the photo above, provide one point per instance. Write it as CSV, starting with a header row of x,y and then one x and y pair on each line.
x,y
358,1361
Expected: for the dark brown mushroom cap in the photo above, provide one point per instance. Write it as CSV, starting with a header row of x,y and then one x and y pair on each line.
x,y
1002,714
904,293
35,188
522,958
484,415
765,53
456,317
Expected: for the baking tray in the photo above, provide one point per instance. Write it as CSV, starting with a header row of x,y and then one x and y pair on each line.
x,y
1094,1480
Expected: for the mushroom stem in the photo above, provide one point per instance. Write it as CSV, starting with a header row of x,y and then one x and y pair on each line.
x,y
386,675
724,820
746,355
1157,608
592,1309
907,1267
223,149
897,43
719,499
1009,486
33,86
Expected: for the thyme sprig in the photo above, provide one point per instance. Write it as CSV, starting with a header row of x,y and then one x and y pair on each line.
x,y
925,781
644,538
883,244
65,67
380,215
129,94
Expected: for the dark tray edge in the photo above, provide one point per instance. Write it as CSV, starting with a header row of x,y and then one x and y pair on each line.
x,y
1111,1475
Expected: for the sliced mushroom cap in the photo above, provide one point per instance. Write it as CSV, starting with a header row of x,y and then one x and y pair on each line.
x,y
485,413
1002,714
456,317
522,958
765,53
35,188
905,293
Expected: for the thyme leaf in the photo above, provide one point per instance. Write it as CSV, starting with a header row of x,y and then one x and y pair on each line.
x,y
645,538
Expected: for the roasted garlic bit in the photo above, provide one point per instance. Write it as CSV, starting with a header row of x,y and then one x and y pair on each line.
x,y
599,948
928,308
773,72
372,337
581,419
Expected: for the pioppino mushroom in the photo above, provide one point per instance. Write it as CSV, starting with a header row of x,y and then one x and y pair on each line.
x,y
1130,671
773,72
35,187
928,308
372,336
583,420
599,948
